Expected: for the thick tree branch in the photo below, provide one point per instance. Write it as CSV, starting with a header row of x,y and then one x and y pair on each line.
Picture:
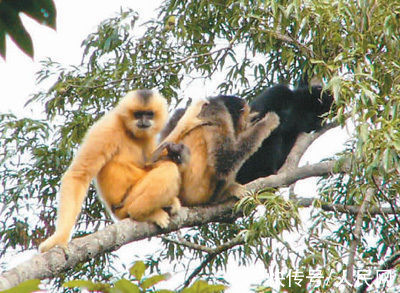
x,y
288,177
48,265
51,263
303,141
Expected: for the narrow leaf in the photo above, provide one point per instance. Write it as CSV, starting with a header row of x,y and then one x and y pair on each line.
x,y
138,270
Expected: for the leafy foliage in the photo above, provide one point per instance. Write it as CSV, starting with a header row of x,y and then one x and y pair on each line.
x,y
141,284
352,46
43,11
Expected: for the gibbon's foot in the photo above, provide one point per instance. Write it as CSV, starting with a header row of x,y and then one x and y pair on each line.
x,y
53,241
237,190
158,217
176,206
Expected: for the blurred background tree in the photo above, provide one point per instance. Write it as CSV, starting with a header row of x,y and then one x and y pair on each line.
x,y
352,46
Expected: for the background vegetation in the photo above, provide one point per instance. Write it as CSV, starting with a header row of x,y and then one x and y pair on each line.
x,y
352,46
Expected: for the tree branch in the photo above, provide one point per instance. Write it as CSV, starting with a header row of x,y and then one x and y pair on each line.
x,y
51,263
357,236
238,240
303,141
288,177
393,261
190,245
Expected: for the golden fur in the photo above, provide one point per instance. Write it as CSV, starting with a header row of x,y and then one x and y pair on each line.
x,y
115,151
206,135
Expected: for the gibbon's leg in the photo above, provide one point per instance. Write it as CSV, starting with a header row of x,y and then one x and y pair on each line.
x,y
158,189
72,193
231,153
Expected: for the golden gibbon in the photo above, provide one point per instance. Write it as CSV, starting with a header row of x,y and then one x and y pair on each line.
x,y
115,152
220,135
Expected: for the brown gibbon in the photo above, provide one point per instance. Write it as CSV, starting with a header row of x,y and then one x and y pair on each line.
x,y
220,135
116,151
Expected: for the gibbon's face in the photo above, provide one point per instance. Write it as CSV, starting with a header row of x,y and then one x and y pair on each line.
x,y
143,112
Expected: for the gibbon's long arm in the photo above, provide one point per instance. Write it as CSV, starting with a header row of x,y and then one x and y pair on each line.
x,y
91,157
187,122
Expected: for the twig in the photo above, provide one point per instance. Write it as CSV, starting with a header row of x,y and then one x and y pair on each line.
x,y
346,209
393,261
285,38
357,236
189,244
238,240
390,201
154,69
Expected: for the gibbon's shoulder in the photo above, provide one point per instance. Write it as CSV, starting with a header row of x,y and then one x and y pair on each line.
x,y
107,127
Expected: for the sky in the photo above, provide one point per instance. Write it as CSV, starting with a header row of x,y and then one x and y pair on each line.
x,y
75,20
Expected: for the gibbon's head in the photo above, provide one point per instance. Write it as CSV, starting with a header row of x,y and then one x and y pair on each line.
x,y
178,153
222,109
143,113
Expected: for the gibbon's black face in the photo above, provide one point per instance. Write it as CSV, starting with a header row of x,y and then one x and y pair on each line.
x,y
143,119
143,113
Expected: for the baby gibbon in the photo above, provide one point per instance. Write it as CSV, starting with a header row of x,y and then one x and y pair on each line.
x,y
220,137
115,152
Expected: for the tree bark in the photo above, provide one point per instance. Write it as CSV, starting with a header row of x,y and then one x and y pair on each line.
x,y
49,264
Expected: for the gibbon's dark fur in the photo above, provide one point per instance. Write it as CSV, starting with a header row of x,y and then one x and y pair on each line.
x,y
299,111
220,138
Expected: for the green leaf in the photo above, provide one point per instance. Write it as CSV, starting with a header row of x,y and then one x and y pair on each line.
x,y
203,287
43,11
147,283
89,285
11,23
25,287
126,286
138,270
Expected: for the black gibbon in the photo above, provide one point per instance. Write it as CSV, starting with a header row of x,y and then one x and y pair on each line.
x,y
299,111
220,137
115,152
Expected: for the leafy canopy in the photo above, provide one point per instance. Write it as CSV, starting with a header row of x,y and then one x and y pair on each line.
x,y
352,46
